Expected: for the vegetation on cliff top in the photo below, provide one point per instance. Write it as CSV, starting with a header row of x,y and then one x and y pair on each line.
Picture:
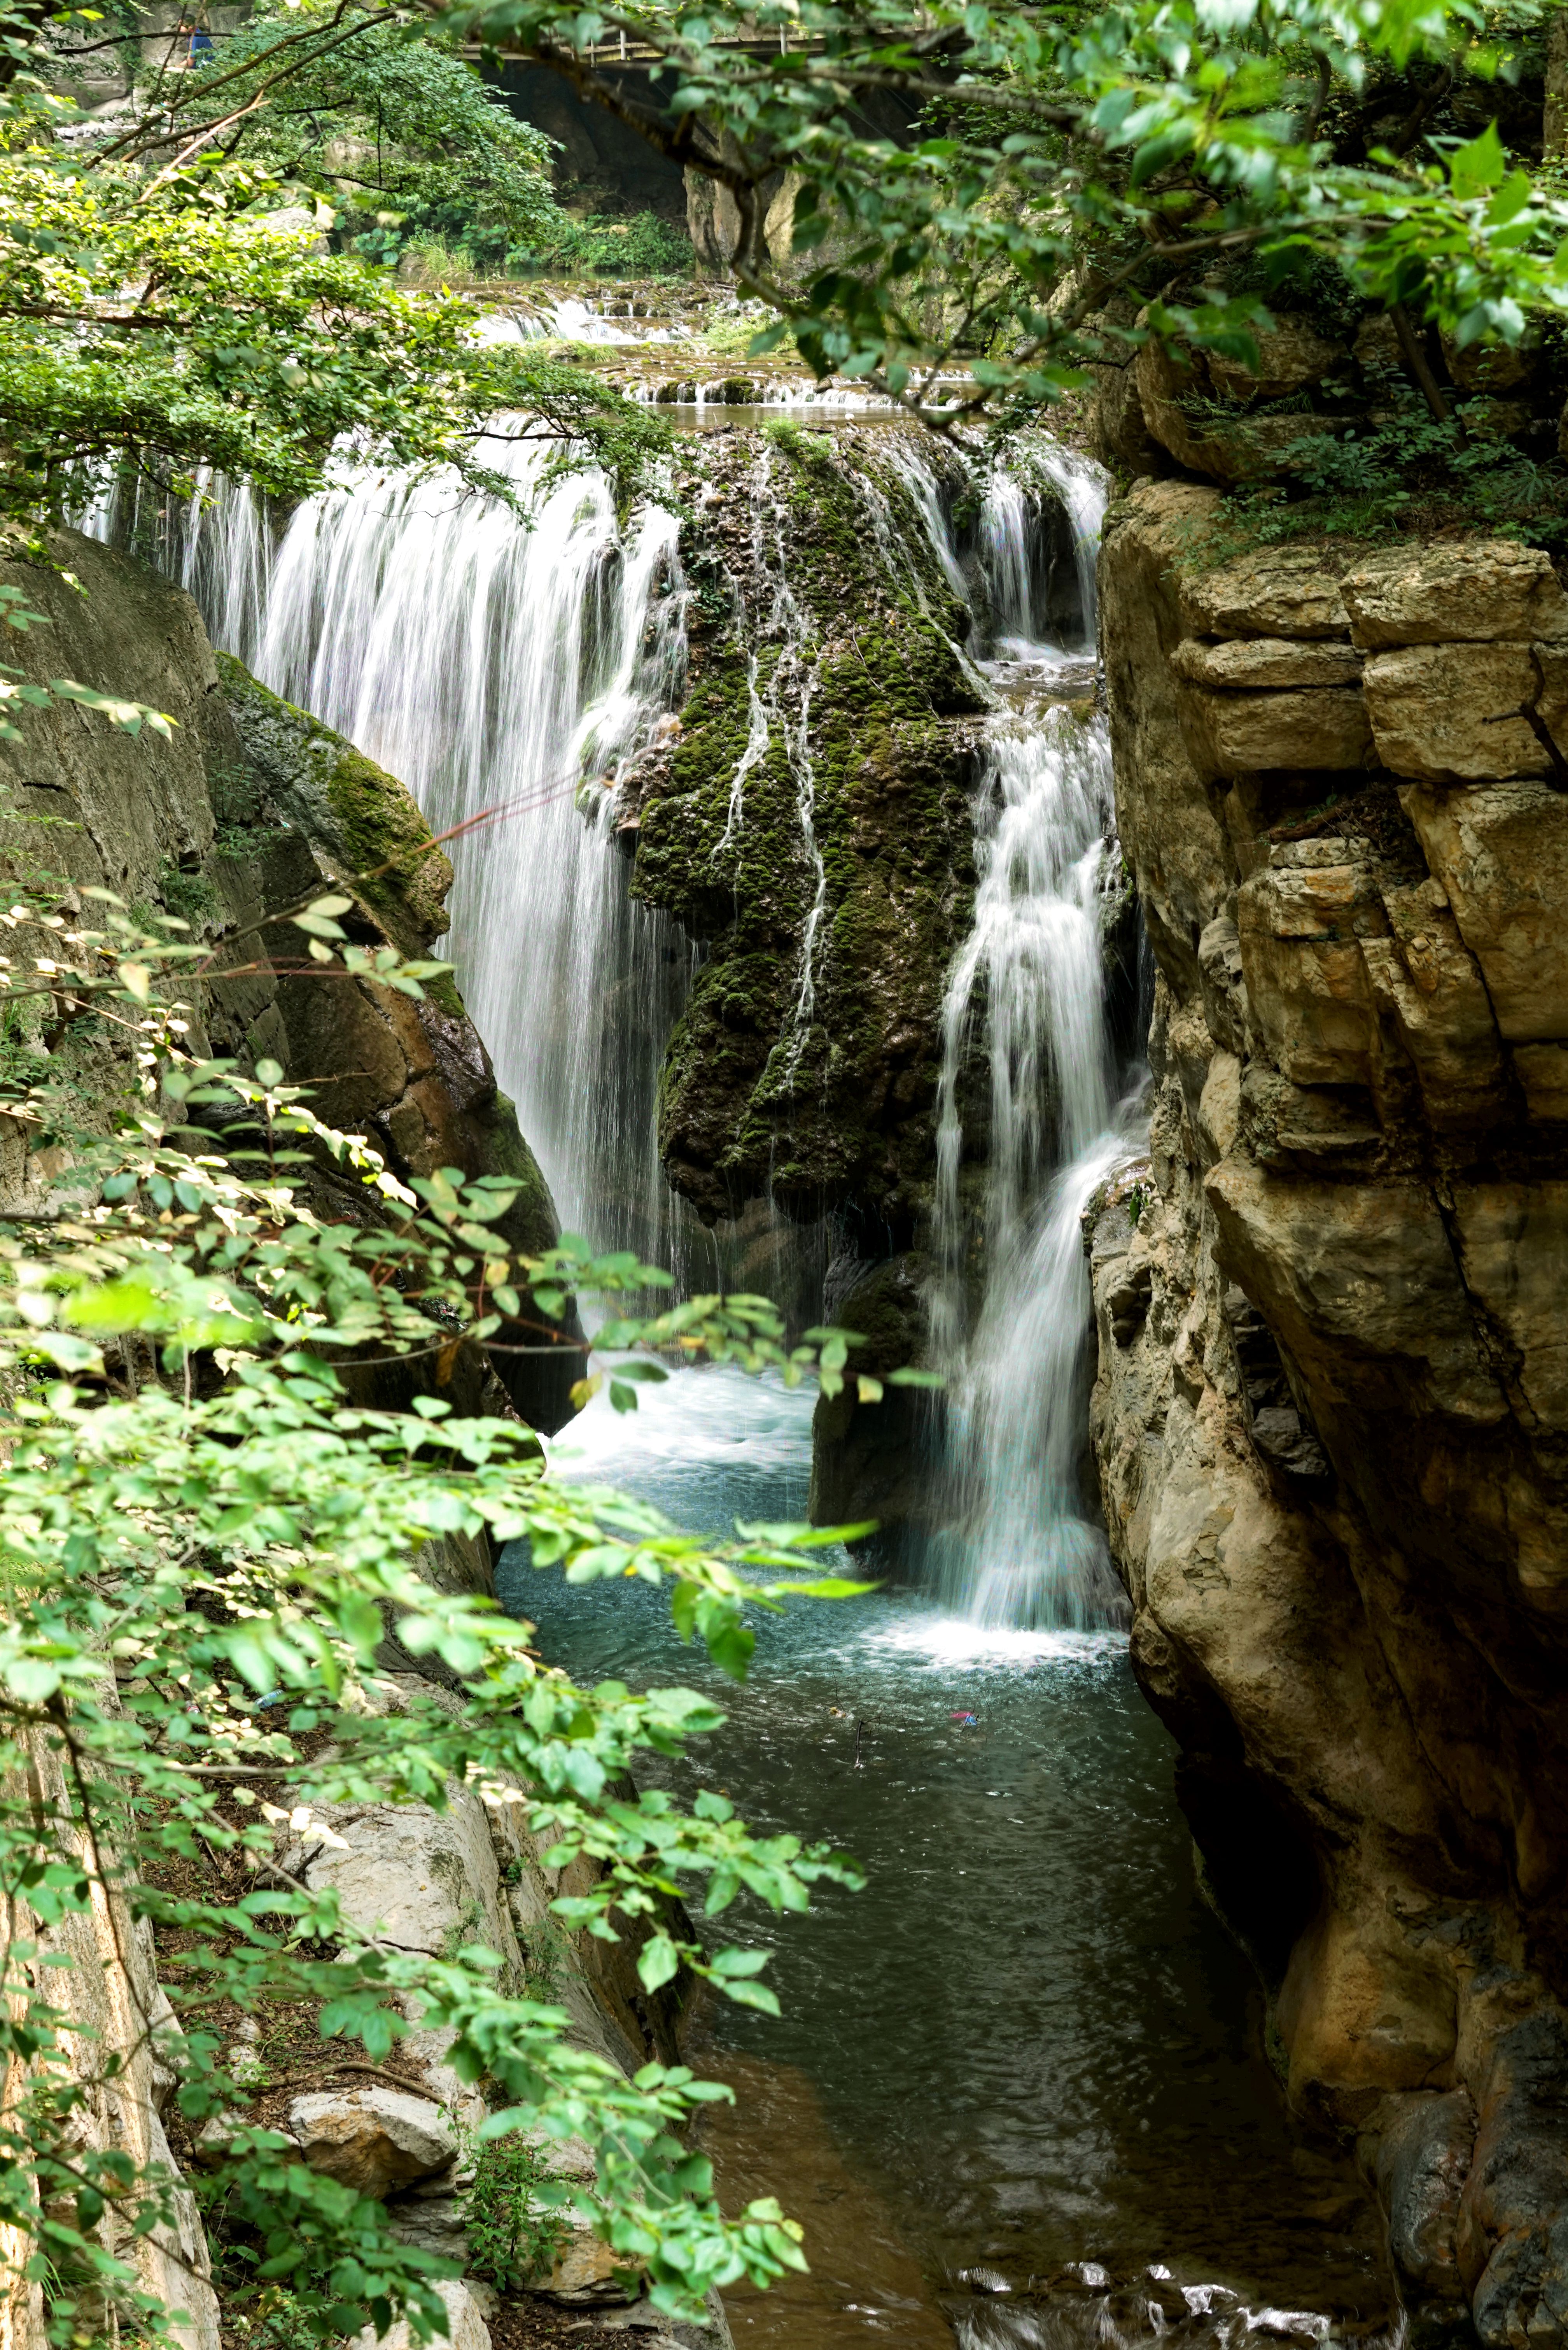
x,y
1192,159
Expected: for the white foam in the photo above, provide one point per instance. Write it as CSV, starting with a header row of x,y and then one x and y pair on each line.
x,y
944,1641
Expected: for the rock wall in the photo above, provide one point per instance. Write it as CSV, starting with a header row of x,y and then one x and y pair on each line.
x,y
1331,1413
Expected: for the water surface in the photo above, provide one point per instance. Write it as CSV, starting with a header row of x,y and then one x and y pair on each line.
x,y
1028,2043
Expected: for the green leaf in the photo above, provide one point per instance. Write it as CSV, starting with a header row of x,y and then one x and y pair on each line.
x,y
1482,164
740,1963
32,1681
658,1962
751,1994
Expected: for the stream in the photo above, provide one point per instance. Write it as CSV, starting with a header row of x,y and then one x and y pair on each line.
x,y
1027,2043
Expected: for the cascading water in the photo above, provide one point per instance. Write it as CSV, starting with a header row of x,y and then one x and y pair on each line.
x,y
1026,998
490,666
780,703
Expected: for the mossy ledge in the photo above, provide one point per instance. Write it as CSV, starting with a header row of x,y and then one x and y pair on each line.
x,y
358,819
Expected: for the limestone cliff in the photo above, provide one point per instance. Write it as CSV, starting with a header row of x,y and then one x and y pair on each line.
x,y
1331,1412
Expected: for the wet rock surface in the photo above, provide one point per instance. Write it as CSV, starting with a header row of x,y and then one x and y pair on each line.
x,y
1329,1418
809,820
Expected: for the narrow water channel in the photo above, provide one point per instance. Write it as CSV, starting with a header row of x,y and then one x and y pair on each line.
x,y
1027,2043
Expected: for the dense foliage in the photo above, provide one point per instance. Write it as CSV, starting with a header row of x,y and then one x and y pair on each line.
x,y
397,135
161,312
977,185
205,1532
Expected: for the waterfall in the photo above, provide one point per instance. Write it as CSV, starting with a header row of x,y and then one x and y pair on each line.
x,y
1027,1121
491,665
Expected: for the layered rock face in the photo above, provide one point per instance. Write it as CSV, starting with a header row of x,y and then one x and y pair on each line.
x,y
1331,1413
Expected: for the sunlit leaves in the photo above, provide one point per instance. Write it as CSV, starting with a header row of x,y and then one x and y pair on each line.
x,y
262,357
203,1562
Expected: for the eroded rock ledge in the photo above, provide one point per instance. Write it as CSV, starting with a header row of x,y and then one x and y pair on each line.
x,y
1331,1413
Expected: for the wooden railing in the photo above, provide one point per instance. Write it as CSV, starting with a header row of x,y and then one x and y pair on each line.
x,y
618,50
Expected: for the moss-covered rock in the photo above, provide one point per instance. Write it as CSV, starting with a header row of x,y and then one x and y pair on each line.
x,y
812,823
363,825
298,807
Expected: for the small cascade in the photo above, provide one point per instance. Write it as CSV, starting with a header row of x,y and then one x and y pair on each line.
x,y
1029,1079
783,669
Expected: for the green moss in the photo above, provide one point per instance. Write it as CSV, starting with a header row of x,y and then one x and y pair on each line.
x,y
388,842
840,1107
444,992
190,896
814,449
368,823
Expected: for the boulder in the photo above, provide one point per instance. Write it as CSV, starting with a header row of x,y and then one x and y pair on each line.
x,y
1512,2238
1230,734
1359,1284
1307,987
1228,449
1490,366
1452,592
1425,975
1223,985
432,2223
1448,713
375,2140
415,1877
1120,436
588,2275
1274,591
1542,1071
1273,662
1291,354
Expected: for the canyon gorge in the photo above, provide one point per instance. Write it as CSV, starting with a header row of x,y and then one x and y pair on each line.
x,y
1119,964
